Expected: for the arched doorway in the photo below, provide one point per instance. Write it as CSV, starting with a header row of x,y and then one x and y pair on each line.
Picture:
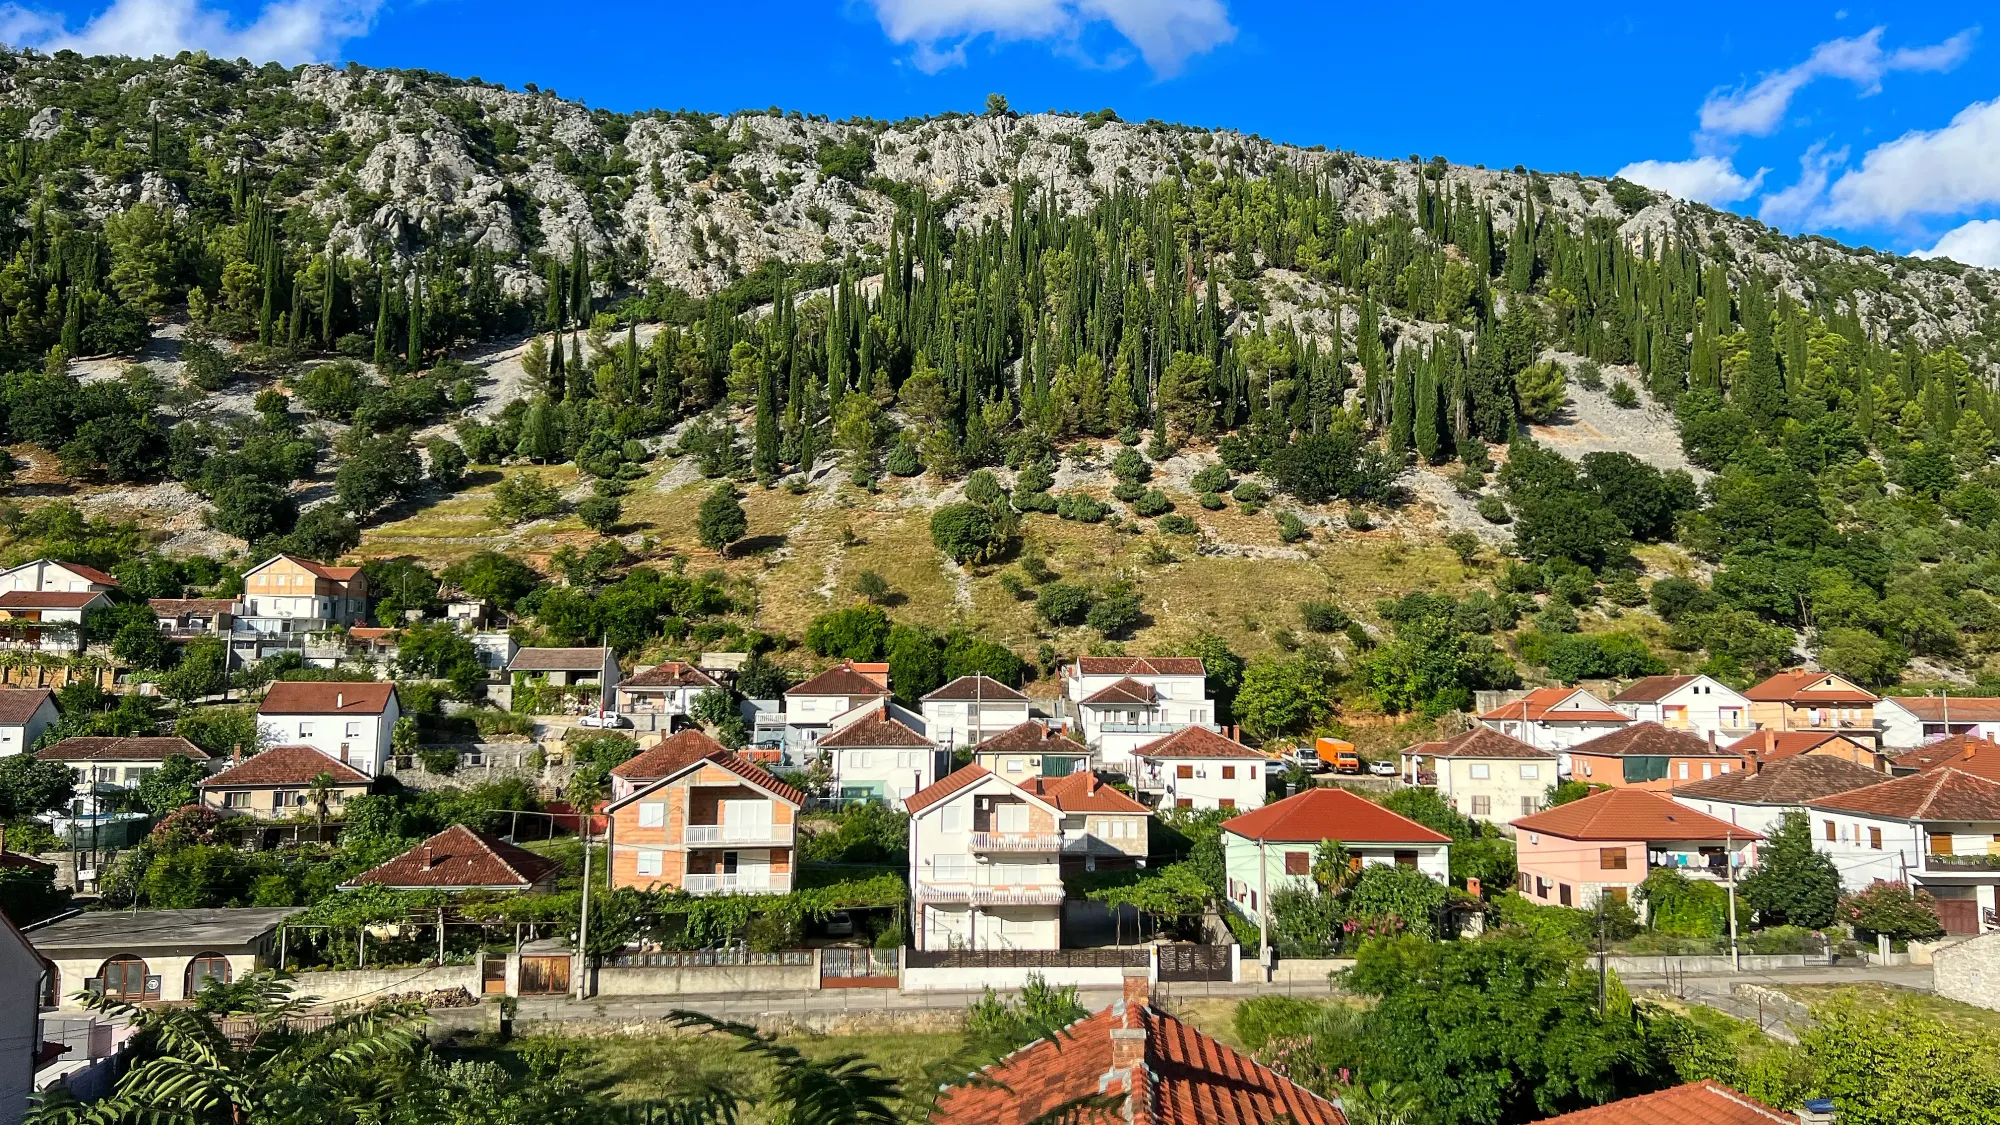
x,y
204,968
125,977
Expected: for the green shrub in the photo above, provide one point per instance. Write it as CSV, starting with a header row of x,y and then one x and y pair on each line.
x,y
1213,501
1177,525
1250,492
1215,478
1291,528
1492,510
1623,396
1081,507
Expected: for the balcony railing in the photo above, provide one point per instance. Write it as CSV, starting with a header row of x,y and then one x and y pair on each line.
x,y
1128,957
979,894
1016,841
738,834
1949,864
741,882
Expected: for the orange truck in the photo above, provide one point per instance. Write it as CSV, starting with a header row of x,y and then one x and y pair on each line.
x,y
1339,754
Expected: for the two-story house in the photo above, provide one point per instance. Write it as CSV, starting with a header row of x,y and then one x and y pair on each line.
x,y
971,709
816,706
876,757
49,620
1938,831
1767,746
1802,699
1758,796
1273,848
1198,768
1649,756
1606,843
1912,720
985,865
1124,702
658,694
278,785
1556,718
57,577
106,764
715,824
350,722
1486,775
1966,751
24,714
1701,705
1032,749
288,594
1101,827
662,759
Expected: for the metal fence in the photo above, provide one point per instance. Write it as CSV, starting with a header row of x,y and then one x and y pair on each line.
x,y
1128,957
706,959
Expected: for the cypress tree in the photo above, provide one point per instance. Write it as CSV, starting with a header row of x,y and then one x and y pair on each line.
x,y
1402,408
382,354
416,343
1426,434
764,456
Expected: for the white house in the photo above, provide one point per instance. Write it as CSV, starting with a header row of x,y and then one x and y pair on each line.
x,y
1124,702
348,722
1938,830
985,865
1702,705
1032,749
1484,774
1273,848
106,763
49,620
1100,825
664,689
57,577
1911,720
971,709
1555,718
1759,796
812,707
24,714
24,977
875,757
1196,768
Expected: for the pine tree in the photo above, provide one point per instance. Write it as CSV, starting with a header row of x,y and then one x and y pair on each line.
x,y
382,314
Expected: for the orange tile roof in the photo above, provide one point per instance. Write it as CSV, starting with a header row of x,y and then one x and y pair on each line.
x,y
1943,793
728,759
1652,689
1956,709
89,573
1778,745
1544,705
944,787
1652,740
875,731
1786,687
1195,742
1480,742
669,755
674,673
286,765
1946,751
842,679
1174,1075
460,859
18,705
1029,737
1127,690
977,688
327,697
1140,666
1081,792
49,599
1630,814
1331,814
1697,1103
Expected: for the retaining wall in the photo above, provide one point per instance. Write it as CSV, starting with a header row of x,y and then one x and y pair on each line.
x,y
1969,970
706,980
344,985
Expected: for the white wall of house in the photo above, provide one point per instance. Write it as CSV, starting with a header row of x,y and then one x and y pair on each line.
x,y
1494,790
1247,888
362,741
43,574
891,773
1900,730
942,854
1761,819
1544,735
17,738
21,974
1204,783
1702,705
965,723
1867,848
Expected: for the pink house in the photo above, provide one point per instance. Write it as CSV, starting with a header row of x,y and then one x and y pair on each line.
x,y
1606,844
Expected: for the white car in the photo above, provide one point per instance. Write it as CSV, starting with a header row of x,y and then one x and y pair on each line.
x,y
1383,769
609,720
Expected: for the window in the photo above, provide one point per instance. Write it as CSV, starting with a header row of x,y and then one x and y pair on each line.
x,y
1183,772
1013,817
1253,773
1586,769
652,814
648,862
1565,894
286,798
1226,802
1875,838
1406,859
1541,887
1528,805
863,759
1481,771
1941,843
1725,767
1298,863
1830,836
305,730
236,799
1522,878
952,819
1707,770
1183,803
1611,859
1229,773
1482,805
204,968
1684,771
1531,772
354,730
952,868
125,978
1015,765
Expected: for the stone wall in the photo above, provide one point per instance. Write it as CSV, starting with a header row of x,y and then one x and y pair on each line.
x,y
343,986
706,980
1969,970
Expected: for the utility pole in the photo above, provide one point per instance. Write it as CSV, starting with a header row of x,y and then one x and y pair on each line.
x,y
583,923
1263,910
1729,865
1603,973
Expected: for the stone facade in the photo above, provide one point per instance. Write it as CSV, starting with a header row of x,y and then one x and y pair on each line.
x,y
1970,970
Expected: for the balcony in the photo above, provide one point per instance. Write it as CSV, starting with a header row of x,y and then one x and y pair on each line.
x,y
988,842
739,882
1937,864
713,835
981,894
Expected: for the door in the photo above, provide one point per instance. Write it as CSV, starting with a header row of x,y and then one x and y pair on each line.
x,y
545,975
493,976
746,820
1959,915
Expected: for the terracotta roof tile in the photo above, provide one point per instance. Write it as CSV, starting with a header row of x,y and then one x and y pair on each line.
x,y
874,731
49,599
1943,793
1331,814
1031,737
841,679
1630,814
1697,1103
672,674
459,858
560,660
1140,666
100,748
1545,705
327,697
1127,690
18,705
1944,751
181,607
977,688
1652,689
733,762
1827,688
89,573
1082,792
1195,742
1790,781
285,765
1956,709
944,787
1778,745
1650,740
1480,742
669,755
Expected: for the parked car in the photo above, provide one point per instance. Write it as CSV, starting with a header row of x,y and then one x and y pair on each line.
x,y
1383,769
609,720
840,924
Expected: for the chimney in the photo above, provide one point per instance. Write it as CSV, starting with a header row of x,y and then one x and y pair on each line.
x,y
430,861
1138,992
1818,1111
236,754
339,700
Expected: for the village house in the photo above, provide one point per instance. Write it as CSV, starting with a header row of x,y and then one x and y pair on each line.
x,y
1606,843
287,594
145,956
25,976
1802,699
1486,775
24,714
1701,705
1032,749
713,823
1555,718
1696,1103
1913,720
1938,830
1273,848
874,757
1649,756
1124,702
104,764
657,695
1197,768
1758,796
1140,1065
48,620
57,577
460,859
273,797
1101,827
817,705
1767,746
971,709
569,668
665,756
184,619
350,722
985,865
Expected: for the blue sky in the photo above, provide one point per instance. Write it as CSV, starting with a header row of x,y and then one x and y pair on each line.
x,y
1877,124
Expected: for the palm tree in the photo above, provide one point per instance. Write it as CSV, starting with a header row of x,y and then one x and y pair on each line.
x,y
319,793
1380,1103
842,1090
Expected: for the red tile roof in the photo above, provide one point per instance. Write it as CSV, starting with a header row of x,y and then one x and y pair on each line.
x,y
677,762
49,599
1697,1103
1173,1075
1651,740
1480,742
1127,690
88,573
1630,814
1787,782
672,674
1081,792
669,755
460,859
944,787
18,705
1788,686
285,765
1652,689
1331,814
331,573
1140,666
977,688
1778,745
1195,742
875,730
1956,709
1544,705
841,679
1945,751
23,861
1943,793
181,607
327,697
104,748
1031,737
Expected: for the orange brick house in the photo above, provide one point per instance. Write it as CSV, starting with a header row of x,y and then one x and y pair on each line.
x,y
1649,756
710,823
1801,699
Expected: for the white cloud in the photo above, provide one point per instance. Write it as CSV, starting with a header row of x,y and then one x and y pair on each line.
x,y
1977,243
1704,179
1166,32
1938,172
286,31
1758,110
1794,204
